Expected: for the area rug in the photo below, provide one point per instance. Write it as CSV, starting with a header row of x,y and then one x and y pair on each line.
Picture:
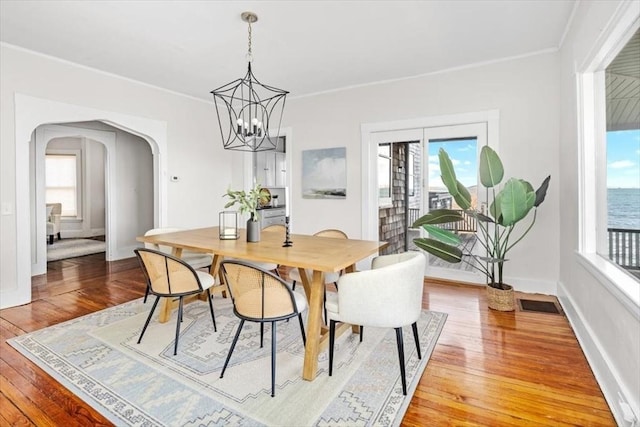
x,y
96,357
71,248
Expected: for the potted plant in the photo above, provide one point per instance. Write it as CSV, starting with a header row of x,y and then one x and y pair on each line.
x,y
497,229
248,203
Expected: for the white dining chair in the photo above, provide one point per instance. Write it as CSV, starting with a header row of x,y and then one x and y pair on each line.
x,y
387,296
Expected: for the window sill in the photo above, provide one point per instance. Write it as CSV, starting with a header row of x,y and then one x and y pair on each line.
x,y
623,287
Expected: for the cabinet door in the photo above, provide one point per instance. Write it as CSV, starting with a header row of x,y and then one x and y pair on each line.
x,y
280,169
265,166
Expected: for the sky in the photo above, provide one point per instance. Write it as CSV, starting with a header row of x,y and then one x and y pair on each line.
x,y
463,155
623,159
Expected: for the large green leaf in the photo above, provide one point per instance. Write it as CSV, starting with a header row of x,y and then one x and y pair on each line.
x,y
441,250
495,209
491,169
515,202
462,196
438,216
541,192
442,235
482,217
447,172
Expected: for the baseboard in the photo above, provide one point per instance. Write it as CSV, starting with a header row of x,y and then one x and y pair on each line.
x,y
533,286
122,253
607,378
82,234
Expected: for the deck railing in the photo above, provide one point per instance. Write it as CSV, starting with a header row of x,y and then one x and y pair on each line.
x,y
468,223
623,247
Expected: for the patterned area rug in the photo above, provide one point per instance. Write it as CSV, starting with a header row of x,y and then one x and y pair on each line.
x,y
96,356
71,248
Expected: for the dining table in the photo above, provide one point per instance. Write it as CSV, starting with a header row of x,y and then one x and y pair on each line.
x,y
312,255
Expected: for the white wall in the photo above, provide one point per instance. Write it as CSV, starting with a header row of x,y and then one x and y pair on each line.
x,y
133,187
608,330
524,91
194,150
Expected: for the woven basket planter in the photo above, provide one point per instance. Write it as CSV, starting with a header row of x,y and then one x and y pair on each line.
x,y
501,299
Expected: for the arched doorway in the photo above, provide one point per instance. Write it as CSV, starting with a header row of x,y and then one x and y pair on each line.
x,y
124,191
30,113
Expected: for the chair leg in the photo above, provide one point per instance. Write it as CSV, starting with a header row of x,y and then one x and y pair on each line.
x,y
233,345
304,336
273,359
414,326
215,328
261,333
361,331
146,294
332,337
59,238
324,305
401,357
51,239
155,303
175,347
293,288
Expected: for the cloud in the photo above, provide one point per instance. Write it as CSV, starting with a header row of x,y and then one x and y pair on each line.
x,y
467,147
621,164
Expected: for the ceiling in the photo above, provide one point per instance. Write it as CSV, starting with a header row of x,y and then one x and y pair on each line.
x,y
622,80
306,47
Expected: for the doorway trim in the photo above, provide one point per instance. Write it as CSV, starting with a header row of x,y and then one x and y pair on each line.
x,y
31,112
369,147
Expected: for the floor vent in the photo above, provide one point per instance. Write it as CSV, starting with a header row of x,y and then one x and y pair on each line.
x,y
539,306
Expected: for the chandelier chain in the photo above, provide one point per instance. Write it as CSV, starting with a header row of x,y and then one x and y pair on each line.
x,y
249,53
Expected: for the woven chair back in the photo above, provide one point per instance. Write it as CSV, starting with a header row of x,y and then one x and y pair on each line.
x,y
257,294
167,275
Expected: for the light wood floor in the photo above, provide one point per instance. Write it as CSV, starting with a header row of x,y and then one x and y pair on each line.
x,y
488,368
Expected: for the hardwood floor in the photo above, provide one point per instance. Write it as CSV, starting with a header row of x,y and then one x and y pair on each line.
x,y
488,368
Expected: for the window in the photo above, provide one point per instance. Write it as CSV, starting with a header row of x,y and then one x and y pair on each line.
x,y
61,175
622,91
384,174
609,116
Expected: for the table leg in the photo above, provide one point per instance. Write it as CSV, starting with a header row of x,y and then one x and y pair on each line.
x,y
314,324
216,271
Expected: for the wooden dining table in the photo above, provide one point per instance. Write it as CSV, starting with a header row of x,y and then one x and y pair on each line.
x,y
318,255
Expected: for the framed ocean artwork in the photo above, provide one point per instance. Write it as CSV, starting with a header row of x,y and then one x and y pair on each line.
x,y
324,173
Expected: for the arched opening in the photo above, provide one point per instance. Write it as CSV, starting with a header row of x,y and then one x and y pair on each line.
x,y
114,186
30,113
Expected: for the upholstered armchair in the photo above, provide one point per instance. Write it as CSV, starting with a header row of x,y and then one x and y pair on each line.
x,y
54,212
387,296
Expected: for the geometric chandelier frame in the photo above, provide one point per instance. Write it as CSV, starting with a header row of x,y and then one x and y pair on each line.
x,y
250,112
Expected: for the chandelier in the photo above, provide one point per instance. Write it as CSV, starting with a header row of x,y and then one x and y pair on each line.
x,y
249,112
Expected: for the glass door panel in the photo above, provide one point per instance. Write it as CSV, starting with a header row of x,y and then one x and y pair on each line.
x,y
462,143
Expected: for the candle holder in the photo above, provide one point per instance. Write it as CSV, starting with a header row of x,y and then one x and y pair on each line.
x,y
228,225
287,242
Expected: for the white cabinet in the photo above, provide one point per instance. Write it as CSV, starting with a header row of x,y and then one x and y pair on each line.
x,y
280,169
271,167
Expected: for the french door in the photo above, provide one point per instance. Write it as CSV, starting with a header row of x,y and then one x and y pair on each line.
x,y
462,143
